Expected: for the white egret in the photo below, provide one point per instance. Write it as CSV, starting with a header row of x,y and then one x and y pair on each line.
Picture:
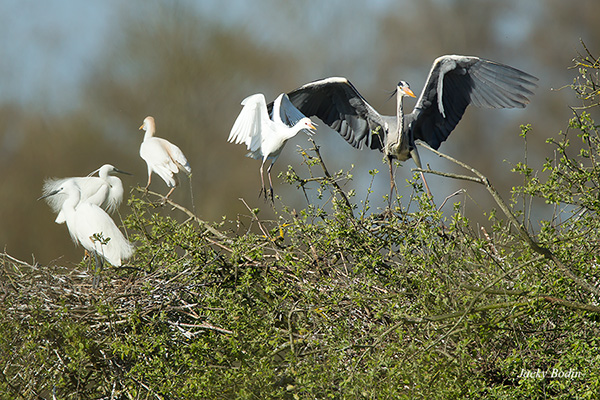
x,y
265,137
90,226
103,190
453,83
162,157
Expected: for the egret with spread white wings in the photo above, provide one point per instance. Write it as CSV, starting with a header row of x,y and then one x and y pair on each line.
x,y
162,157
265,137
453,83
104,190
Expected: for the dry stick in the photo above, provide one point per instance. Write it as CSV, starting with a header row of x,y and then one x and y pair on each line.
x,y
329,177
482,179
255,219
190,214
551,299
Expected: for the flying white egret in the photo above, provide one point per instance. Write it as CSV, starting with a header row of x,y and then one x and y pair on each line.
x,y
265,137
90,226
453,83
103,190
162,157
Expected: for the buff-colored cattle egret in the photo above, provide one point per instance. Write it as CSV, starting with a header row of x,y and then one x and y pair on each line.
x,y
103,190
265,137
90,226
162,157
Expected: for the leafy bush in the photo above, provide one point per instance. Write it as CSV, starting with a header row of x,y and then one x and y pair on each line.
x,y
333,301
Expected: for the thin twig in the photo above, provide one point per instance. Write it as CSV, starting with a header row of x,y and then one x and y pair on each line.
x,y
337,187
535,246
190,214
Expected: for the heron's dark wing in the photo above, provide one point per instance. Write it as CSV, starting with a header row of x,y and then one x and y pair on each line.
x,y
453,83
338,104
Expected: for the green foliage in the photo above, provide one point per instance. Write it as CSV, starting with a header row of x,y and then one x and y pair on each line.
x,y
324,303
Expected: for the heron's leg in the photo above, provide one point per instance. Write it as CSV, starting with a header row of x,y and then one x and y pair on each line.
x,y
270,181
417,159
392,181
427,187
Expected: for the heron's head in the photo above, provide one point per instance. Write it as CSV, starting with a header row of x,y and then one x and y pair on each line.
x,y
404,89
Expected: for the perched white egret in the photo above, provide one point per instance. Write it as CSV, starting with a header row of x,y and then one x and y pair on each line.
x,y
162,157
265,137
103,190
90,226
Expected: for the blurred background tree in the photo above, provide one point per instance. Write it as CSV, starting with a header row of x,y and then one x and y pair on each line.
x,y
79,78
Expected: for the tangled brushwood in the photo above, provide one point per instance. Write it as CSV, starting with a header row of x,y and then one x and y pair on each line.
x,y
332,301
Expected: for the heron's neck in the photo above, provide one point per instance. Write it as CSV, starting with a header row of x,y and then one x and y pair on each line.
x,y
398,144
400,116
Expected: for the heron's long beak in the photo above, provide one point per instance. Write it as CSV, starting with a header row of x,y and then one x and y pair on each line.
x,y
312,127
408,92
141,127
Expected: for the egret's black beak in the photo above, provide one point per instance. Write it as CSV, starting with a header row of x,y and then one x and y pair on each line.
x,y
52,193
122,172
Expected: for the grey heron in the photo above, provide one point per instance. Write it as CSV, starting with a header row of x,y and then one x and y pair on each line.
x,y
264,136
453,83
104,190
162,157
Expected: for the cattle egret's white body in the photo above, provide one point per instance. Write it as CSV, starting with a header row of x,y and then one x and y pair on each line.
x,y
265,137
162,157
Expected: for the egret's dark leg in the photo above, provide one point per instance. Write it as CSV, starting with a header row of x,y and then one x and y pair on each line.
x,y
270,181
98,267
263,190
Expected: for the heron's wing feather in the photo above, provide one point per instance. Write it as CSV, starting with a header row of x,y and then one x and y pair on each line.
x,y
336,102
453,83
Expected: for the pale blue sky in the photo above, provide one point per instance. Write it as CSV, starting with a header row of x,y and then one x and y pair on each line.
x,y
48,47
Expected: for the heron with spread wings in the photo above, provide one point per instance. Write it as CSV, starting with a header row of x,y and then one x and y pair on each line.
x,y
453,83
